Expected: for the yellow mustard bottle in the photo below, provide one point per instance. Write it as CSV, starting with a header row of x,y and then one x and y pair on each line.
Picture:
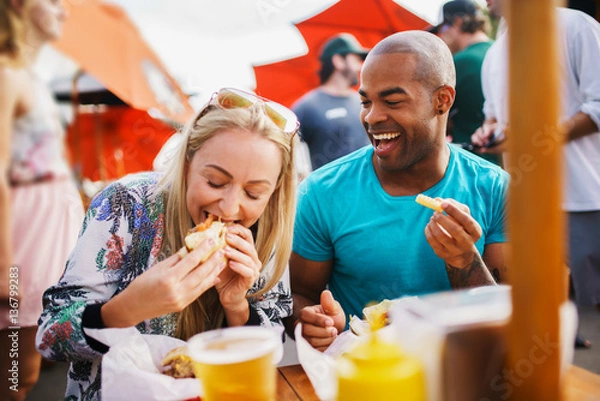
x,y
377,370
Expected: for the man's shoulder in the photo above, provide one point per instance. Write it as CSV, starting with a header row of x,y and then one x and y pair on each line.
x,y
309,98
571,13
474,52
576,21
319,97
499,43
478,165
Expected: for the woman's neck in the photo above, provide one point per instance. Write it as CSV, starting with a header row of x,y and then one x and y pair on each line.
x,y
31,47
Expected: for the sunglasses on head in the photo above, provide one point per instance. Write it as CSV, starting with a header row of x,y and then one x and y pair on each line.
x,y
231,98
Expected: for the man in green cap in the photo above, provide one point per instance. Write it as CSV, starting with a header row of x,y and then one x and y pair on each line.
x,y
329,114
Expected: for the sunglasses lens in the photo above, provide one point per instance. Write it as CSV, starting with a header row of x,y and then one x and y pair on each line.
x,y
234,99
283,117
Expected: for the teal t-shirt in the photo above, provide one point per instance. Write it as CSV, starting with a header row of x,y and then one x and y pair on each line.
x,y
377,241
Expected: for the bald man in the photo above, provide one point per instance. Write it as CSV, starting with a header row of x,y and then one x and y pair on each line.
x,y
359,232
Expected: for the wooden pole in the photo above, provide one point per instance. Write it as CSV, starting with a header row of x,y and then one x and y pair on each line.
x,y
536,226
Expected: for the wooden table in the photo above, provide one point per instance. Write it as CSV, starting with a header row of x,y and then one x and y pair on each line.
x,y
581,385
293,385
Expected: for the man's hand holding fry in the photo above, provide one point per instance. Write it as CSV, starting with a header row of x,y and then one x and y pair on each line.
x,y
453,234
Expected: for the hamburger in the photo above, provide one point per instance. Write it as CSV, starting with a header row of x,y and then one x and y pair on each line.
x,y
209,228
178,364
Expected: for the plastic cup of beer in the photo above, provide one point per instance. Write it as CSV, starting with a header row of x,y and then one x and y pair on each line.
x,y
237,363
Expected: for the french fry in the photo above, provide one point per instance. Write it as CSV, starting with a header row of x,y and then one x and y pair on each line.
x,y
429,202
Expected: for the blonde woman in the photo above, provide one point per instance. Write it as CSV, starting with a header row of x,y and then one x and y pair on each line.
x,y
235,162
40,207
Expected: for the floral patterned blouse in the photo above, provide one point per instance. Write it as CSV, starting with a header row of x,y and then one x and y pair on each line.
x,y
120,239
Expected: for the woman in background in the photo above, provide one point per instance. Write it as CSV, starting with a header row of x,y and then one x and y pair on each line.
x,y
40,207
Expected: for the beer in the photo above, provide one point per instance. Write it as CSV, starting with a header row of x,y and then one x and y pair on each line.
x,y
237,363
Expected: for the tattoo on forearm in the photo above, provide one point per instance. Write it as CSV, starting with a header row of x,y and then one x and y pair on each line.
x,y
474,275
496,275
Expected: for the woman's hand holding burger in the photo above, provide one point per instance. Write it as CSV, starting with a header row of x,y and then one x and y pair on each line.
x,y
168,286
241,272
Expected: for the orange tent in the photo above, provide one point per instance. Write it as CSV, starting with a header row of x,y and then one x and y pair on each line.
x,y
102,39
118,140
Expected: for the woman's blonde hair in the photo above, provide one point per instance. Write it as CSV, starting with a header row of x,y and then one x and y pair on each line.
x,y
275,225
12,35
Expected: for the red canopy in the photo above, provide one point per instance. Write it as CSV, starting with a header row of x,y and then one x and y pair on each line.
x,y
370,21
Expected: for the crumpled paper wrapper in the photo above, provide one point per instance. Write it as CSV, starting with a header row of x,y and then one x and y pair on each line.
x,y
422,341
319,367
130,369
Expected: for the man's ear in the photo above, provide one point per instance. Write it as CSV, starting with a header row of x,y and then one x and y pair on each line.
x,y
338,61
17,6
458,23
443,98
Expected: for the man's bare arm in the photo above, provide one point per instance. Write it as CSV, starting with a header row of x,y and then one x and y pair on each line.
x,y
308,279
489,270
579,126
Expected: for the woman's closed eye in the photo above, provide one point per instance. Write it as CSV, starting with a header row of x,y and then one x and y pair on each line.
x,y
215,185
257,191
253,195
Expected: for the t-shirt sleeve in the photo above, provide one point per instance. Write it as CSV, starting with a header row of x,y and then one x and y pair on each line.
x,y
489,109
311,240
585,59
300,109
497,231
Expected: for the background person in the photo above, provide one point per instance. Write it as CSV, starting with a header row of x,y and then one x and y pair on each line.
x,y
589,7
463,29
328,115
496,21
233,163
359,231
40,207
580,118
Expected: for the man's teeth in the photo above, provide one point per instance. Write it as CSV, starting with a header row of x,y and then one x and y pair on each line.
x,y
387,136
